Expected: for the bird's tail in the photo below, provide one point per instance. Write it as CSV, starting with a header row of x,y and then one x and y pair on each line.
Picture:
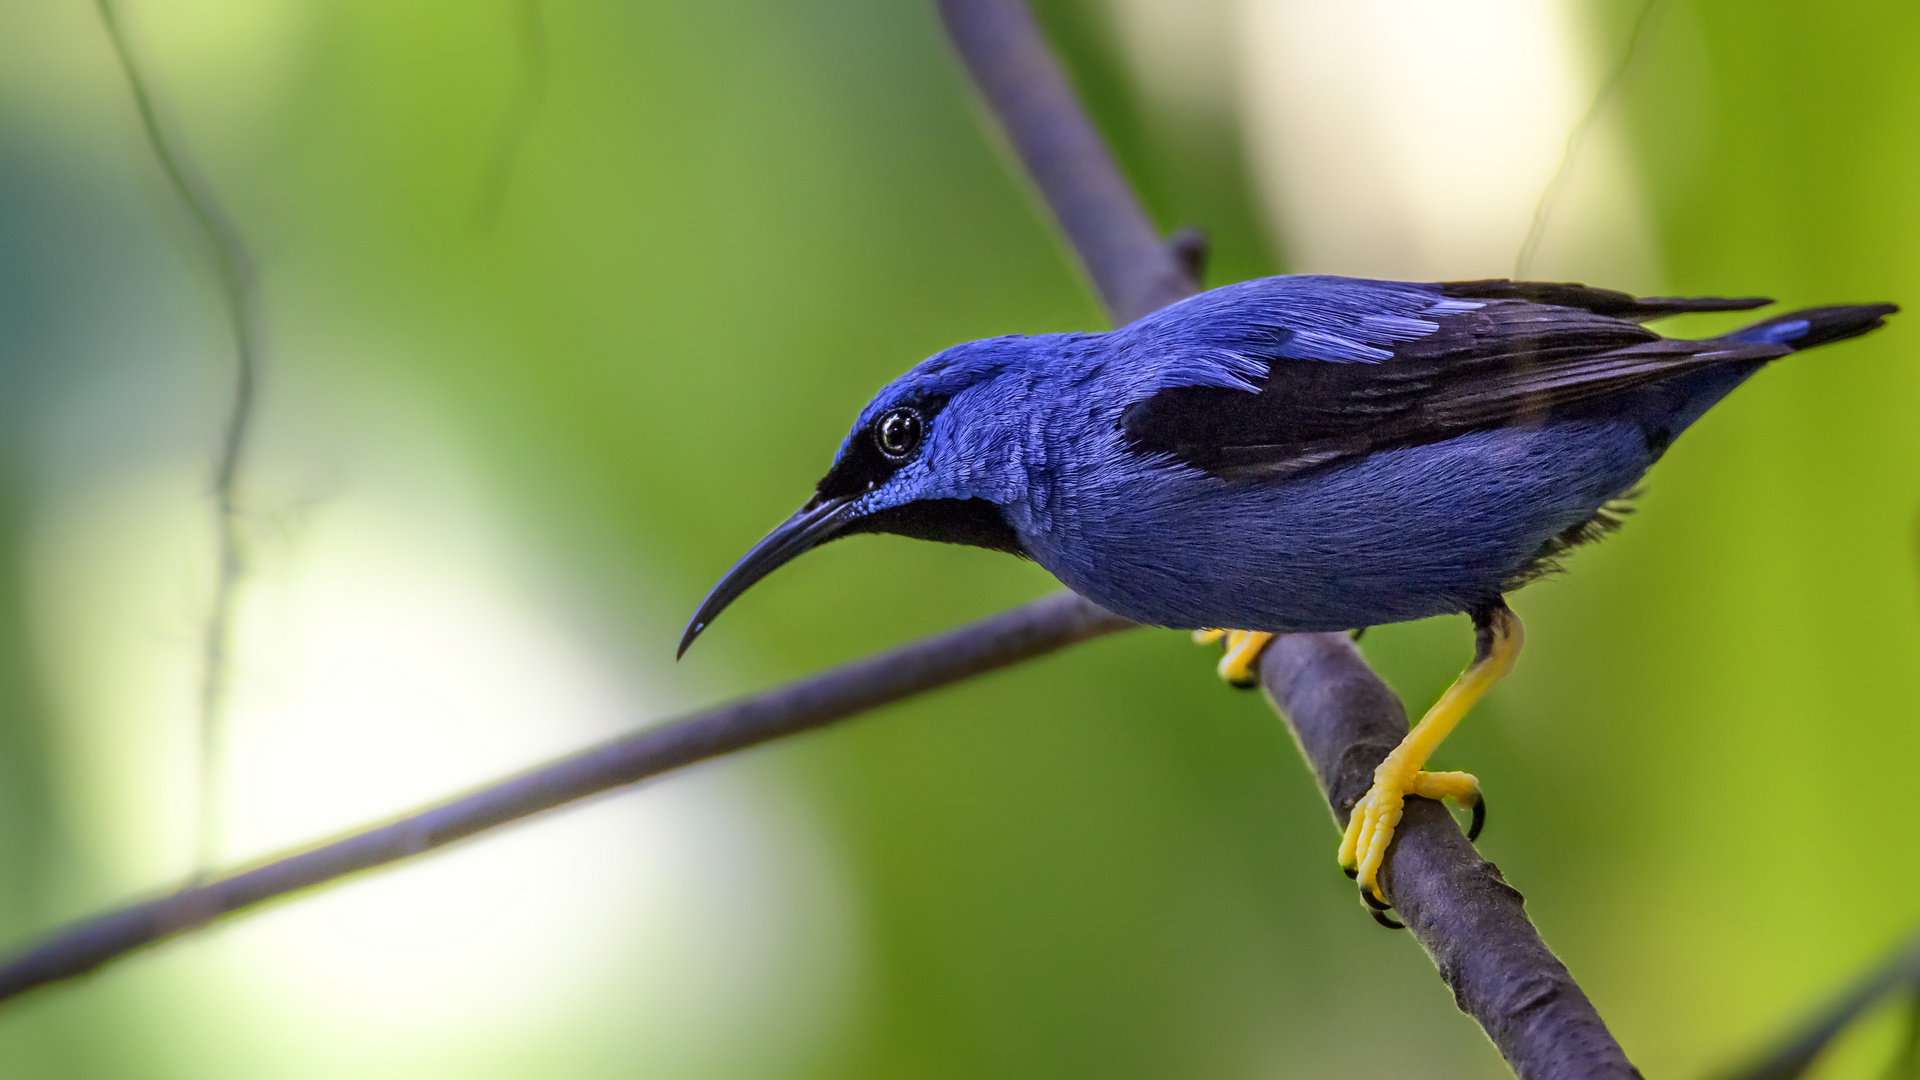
x,y
1815,326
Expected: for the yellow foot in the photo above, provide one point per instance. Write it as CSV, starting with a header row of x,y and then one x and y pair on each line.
x,y
1238,667
1363,848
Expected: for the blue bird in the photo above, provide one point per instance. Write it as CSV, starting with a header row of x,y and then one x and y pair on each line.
x,y
1298,453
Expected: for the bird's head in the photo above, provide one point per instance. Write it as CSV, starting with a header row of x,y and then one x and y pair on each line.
x,y
933,456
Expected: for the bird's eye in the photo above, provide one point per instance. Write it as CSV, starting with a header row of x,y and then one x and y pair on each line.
x,y
898,433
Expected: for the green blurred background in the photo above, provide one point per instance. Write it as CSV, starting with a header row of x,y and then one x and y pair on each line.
x,y
569,300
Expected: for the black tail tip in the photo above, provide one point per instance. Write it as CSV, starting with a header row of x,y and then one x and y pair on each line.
x,y
1812,327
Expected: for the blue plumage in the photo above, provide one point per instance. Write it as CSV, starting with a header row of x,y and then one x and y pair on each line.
x,y
1291,453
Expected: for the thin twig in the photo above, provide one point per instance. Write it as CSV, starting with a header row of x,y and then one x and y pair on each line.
x,y
235,270
1543,209
1035,629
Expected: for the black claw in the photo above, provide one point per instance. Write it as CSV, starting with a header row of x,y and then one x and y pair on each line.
x,y
1372,901
1479,819
1352,872
1249,683
1387,921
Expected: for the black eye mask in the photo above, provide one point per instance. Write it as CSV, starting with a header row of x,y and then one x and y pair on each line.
x,y
869,461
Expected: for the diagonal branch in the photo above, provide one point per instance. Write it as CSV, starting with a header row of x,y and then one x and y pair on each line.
x,y
1470,921
1134,273
1035,629
1897,973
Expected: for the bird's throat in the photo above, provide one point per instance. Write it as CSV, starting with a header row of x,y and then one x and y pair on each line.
x,y
974,522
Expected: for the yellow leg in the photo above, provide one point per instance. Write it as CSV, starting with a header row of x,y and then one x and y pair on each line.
x,y
1243,654
1370,829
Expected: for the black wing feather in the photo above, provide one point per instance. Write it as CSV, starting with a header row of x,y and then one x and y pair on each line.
x,y
1619,305
1513,360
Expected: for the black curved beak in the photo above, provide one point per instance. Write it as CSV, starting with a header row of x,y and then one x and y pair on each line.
x,y
813,525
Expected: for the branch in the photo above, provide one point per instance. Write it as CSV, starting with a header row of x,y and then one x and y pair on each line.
x,y
1470,921
1900,971
1134,273
1031,630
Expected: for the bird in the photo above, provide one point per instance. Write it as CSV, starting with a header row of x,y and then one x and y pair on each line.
x,y
1299,453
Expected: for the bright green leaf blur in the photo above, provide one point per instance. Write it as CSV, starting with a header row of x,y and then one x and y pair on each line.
x,y
565,312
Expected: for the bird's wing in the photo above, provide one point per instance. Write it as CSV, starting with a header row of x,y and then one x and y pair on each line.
x,y
1497,354
1598,301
